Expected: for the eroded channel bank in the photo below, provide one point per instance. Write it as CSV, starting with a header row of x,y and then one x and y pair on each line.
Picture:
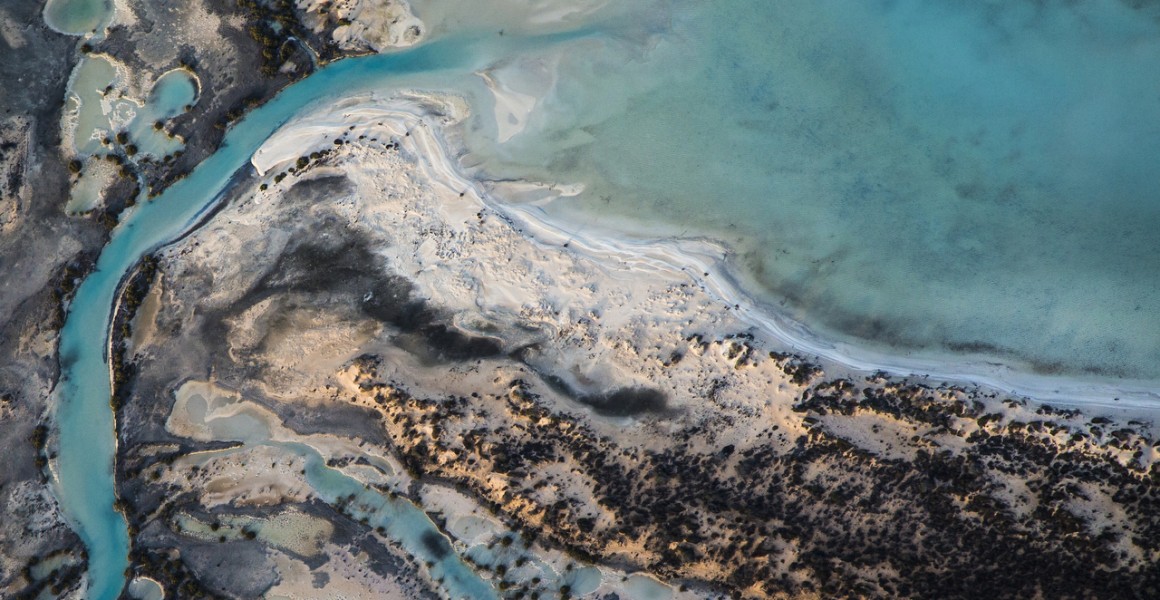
x,y
84,466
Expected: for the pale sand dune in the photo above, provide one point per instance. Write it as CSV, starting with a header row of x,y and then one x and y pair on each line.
x,y
610,302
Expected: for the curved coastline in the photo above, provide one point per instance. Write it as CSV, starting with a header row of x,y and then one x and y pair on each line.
x,y
85,372
83,469
707,255
695,256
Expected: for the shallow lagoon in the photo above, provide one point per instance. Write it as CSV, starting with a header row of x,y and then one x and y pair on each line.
x,y
78,17
169,96
919,178
99,108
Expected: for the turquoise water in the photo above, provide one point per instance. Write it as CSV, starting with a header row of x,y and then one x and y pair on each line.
x,y
78,17
97,108
168,98
401,520
84,465
926,177
171,93
85,116
225,419
647,588
922,178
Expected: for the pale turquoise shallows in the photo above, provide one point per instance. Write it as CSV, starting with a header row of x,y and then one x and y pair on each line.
x,y
78,17
924,178
171,93
84,115
168,98
401,520
97,108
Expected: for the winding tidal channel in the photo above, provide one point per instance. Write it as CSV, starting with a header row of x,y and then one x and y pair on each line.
x,y
84,467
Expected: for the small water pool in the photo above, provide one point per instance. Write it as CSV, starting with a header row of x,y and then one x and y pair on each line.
x,y
78,17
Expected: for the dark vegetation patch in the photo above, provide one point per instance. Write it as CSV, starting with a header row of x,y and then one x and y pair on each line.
x,y
133,293
626,402
800,371
55,584
171,571
940,525
276,27
64,285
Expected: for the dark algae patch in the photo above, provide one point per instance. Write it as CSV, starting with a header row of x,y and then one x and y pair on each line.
x,y
929,523
336,261
435,544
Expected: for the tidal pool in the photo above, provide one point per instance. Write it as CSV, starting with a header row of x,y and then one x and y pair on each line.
x,y
78,17
169,97
642,587
86,116
172,93
102,117
144,588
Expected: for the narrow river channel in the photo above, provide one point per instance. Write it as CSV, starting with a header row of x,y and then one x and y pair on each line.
x,y
83,470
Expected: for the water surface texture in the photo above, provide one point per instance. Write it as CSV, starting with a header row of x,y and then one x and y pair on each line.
x,y
917,177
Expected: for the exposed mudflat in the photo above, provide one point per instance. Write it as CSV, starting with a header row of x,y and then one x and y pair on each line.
x,y
566,421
